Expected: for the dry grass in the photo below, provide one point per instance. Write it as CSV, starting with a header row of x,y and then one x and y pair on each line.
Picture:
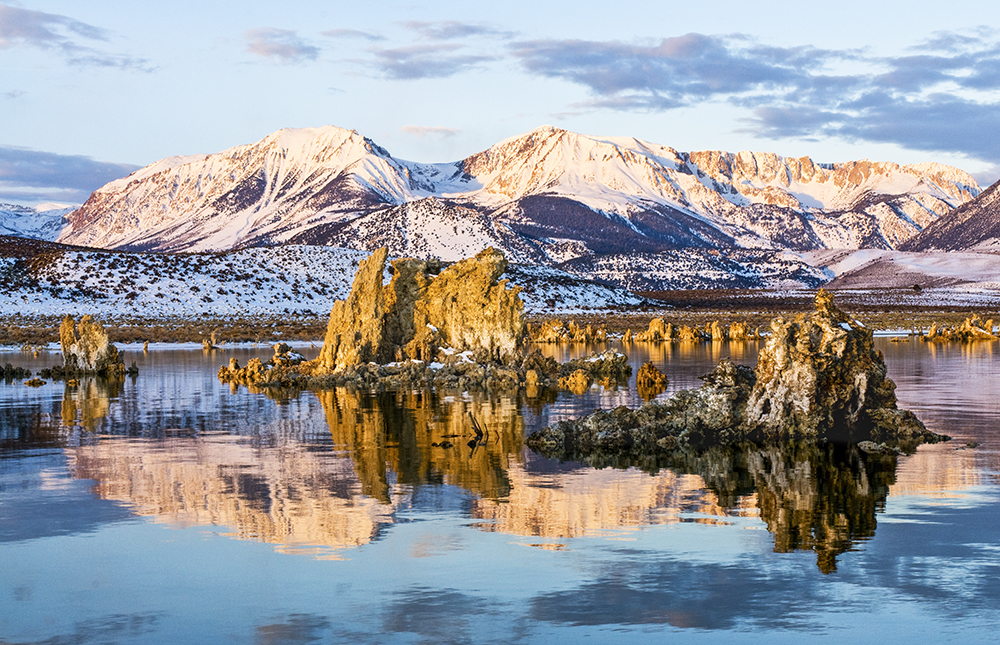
x,y
17,330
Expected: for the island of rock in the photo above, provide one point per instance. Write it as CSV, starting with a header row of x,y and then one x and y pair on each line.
x,y
818,377
459,326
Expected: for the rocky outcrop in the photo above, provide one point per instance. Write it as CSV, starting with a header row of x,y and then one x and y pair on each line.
x,y
86,350
455,327
660,330
556,331
818,377
464,307
971,329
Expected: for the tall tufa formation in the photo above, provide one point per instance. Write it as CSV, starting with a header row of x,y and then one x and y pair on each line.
x,y
818,372
464,307
86,349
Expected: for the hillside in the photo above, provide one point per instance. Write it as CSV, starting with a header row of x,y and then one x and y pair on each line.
x,y
975,224
45,279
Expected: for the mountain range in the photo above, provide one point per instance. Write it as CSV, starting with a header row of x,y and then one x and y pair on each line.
x,y
548,196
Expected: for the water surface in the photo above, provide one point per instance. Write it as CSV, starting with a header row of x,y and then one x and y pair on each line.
x,y
168,508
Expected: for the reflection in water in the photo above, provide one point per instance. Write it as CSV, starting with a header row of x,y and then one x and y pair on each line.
x,y
818,497
311,499
397,432
87,400
302,499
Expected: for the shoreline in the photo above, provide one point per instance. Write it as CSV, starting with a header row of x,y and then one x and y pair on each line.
x,y
889,311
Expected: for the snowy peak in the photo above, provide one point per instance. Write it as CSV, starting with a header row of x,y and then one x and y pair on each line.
x,y
590,194
43,222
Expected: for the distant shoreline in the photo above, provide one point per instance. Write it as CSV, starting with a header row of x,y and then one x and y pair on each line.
x,y
887,309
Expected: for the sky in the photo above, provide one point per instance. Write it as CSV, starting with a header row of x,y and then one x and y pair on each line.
x,y
89,91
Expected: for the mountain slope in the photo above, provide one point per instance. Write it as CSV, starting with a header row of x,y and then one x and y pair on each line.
x,y
975,224
290,179
550,191
43,222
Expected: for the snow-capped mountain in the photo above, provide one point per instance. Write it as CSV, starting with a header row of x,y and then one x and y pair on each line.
x,y
43,222
549,195
974,225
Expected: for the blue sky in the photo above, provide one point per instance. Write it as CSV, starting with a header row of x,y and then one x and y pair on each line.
x,y
90,90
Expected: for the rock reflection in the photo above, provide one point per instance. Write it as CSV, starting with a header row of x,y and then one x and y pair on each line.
x,y
87,400
320,498
305,500
423,437
818,497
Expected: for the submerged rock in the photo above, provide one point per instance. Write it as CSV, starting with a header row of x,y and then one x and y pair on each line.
x,y
11,373
817,377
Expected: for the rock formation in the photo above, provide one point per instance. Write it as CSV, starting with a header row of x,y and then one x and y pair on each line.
x,y
971,329
456,327
556,331
86,350
818,377
658,330
463,307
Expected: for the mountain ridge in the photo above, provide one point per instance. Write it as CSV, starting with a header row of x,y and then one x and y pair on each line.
x,y
973,225
552,189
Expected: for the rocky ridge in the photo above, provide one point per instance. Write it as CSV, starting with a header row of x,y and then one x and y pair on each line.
x,y
549,192
818,377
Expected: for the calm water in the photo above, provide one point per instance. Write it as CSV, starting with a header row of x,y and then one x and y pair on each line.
x,y
169,509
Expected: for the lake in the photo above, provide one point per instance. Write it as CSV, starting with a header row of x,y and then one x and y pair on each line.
x,y
172,509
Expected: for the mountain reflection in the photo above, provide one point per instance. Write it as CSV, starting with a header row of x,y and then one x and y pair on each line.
x,y
320,498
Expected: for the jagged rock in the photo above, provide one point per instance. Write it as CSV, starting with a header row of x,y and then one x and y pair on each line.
x,y
658,331
689,334
739,331
817,377
285,356
459,327
86,350
556,331
464,307
971,329
35,382
608,365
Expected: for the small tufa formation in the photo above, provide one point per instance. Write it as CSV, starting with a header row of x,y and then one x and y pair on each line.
x,y
556,331
650,381
970,330
463,307
86,350
817,377
660,331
